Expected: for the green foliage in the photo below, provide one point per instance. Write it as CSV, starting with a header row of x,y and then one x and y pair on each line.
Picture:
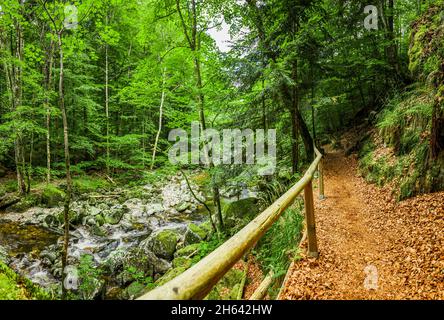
x,y
139,276
9,290
52,196
206,247
89,276
403,130
14,287
87,184
278,248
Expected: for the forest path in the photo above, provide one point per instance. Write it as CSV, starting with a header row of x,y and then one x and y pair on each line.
x,y
371,247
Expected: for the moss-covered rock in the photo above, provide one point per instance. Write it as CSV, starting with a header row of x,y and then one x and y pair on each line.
x,y
163,244
134,290
52,196
194,234
8,200
170,275
115,214
75,218
239,213
207,227
182,262
181,207
188,251
25,203
100,220
99,231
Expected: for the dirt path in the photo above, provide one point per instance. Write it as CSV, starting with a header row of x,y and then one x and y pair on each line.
x,y
371,247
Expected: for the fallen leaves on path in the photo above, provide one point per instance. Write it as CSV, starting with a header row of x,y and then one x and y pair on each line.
x,y
361,228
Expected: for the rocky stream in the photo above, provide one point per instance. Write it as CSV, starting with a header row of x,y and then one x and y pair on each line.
x,y
128,233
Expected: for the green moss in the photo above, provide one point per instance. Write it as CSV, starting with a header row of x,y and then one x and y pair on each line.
x,y
239,213
194,234
15,287
164,244
26,203
10,290
188,251
170,275
182,262
88,184
52,196
135,290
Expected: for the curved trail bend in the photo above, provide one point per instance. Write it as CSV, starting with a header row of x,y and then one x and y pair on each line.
x,y
371,247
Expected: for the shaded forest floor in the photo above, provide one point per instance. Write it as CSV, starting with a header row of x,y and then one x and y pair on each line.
x,y
362,229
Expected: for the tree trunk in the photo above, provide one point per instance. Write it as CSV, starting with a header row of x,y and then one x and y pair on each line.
x,y
162,101
16,91
194,45
48,74
107,103
67,163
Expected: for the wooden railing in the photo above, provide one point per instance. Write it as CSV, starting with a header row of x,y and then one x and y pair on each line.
x,y
196,282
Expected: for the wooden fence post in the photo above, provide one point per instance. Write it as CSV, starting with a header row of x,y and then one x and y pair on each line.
x,y
310,220
321,180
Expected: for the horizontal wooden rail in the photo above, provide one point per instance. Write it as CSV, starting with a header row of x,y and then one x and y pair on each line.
x,y
196,282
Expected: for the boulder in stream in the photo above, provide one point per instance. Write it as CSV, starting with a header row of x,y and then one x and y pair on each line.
x,y
194,234
115,214
163,244
239,213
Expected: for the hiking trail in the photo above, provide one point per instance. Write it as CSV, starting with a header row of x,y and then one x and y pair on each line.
x,y
371,246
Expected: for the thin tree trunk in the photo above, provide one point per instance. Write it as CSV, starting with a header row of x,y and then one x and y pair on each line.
x,y
29,169
162,101
67,163
264,105
16,89
48,70
107,106
194,44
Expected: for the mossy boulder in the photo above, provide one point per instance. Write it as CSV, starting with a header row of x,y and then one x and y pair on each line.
x,y
207,227
181,207
182,262
8,200
134,290
188,251
52,196
239,213
25,203
163,244
170,275
75,218
115,214
99,231
100,220
194,234
228,287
